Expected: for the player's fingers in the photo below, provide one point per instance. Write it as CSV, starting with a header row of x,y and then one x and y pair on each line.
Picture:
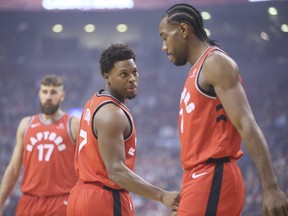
x,y
282,212
286,210
176,205
173,213
266,212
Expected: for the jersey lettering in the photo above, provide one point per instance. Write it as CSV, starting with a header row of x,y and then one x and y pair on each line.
x,y
87,115
45,150
83,134
131,151
48,149
189,107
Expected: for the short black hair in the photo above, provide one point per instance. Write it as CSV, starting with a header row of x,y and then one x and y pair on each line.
x,y
114,53
190,15
52,79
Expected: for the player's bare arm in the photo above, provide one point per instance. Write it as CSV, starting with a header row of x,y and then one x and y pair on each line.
x,y
75,122
224,78
112,126
12,171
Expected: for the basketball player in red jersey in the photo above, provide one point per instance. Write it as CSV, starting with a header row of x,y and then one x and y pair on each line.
x,y
45,145
214,116
106,148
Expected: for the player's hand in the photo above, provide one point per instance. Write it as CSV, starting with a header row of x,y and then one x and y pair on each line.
x,y
173,213
171,199
275,203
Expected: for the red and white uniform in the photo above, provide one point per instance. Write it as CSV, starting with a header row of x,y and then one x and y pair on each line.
x,y
209,188
89,196
204,127
48,162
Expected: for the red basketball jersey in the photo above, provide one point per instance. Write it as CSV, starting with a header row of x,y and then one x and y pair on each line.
x,y
48,158
204,127
88,161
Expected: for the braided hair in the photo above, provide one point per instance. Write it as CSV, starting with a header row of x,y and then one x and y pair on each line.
x,y
191,16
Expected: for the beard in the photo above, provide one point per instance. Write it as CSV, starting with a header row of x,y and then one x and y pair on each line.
x,y
130,97
49,109
180,61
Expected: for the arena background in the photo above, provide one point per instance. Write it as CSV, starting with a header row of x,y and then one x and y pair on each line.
x,y
257,40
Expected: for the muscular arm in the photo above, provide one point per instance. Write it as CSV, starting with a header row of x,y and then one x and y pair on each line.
x,y
12,171
222,73
111,124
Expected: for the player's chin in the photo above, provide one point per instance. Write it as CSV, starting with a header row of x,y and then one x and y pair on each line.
x,y
131,95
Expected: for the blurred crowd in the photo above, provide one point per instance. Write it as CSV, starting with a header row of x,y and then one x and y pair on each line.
x,y
155,113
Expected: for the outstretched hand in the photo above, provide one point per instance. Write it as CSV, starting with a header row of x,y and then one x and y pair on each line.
x,y
275,203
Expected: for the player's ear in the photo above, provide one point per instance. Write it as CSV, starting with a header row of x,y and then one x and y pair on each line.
x,y
63,96
106,77
184,29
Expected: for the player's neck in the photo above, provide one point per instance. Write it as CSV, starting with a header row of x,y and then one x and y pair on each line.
x,y
198,50
51,118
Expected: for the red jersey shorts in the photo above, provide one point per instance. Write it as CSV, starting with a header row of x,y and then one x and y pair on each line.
x,y
90,199
215,188
30,205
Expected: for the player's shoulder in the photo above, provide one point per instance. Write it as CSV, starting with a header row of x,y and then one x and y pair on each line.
x,y
219,58
218,62
219,67
24,122
111,104
110,113
26,119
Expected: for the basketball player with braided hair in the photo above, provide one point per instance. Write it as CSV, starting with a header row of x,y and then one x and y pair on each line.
x,y
214,116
